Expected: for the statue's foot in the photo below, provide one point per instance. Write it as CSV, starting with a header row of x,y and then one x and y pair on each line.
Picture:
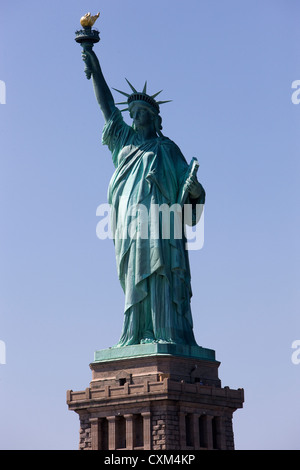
x,y
147,340
165,341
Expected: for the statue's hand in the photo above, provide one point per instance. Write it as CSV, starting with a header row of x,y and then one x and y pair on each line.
x,y
194,188
90,59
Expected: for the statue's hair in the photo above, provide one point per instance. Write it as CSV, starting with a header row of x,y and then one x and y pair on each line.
x,y
158,124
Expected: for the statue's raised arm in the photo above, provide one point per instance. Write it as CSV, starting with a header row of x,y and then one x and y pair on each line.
x,y
102,91
87,37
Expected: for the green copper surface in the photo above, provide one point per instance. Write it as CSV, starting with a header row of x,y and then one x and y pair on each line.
x,y
154,273
150,170
154,349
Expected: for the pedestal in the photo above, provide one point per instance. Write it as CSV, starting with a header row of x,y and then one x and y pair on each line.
x,y
155,397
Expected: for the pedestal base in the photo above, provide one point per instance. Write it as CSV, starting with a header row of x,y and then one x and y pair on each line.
x,y
154,349
155,397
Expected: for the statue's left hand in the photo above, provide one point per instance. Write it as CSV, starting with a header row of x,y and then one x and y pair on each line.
x,y
194,188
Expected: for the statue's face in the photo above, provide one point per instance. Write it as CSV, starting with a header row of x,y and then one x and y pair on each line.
x,y
142,117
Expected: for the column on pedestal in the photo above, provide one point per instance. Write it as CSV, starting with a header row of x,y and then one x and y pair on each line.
x,y
147,429
195,431
218,431
129,431
207,432
95,435
111,432
182,430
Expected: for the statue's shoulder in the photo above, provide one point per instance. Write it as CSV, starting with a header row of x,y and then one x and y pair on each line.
x,y
170,145
174,153
168,142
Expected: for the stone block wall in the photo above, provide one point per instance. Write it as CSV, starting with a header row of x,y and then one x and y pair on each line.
x,y
134,408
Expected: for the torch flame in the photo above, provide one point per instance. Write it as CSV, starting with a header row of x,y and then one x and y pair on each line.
x,y
88,20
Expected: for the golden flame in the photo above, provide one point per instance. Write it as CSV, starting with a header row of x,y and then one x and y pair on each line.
x,y
88,20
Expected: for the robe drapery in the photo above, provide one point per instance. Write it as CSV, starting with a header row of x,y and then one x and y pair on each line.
x,y
153,270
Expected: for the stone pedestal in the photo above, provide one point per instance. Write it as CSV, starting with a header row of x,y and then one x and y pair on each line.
x,y
155,397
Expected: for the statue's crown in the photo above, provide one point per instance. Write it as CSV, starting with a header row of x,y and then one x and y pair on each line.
x,y
137,96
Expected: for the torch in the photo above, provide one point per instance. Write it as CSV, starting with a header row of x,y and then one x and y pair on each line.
x,y
87,36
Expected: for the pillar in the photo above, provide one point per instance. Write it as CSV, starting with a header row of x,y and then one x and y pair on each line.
x,y
129,431
182,430
195,426
111,432
208,431
147,429
220,433
95,433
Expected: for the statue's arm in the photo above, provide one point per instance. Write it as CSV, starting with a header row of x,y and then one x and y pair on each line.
x,y
102,91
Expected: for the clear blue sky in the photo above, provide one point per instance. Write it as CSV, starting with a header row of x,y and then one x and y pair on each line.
x,y
228,66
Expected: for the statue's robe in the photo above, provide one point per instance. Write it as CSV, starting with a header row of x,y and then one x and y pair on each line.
x,y
154,271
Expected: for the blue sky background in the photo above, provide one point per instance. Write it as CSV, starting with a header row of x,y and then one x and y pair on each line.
x,y
228,66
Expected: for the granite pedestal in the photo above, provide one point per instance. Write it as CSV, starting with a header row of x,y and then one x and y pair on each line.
x,y
155,397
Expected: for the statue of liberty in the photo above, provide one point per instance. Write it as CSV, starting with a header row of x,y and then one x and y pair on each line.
x,y
150,169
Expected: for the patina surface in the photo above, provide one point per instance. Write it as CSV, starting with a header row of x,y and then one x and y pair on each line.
x,y
150,170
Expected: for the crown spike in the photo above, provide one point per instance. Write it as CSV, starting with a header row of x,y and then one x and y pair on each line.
x,y
145,87
162,102
122,92
131,86
155,94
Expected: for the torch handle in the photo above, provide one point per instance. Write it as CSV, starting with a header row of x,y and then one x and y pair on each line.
x,y
87,46
87,72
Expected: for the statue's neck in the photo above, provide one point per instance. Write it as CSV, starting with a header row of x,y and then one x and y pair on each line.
x,y
146,134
